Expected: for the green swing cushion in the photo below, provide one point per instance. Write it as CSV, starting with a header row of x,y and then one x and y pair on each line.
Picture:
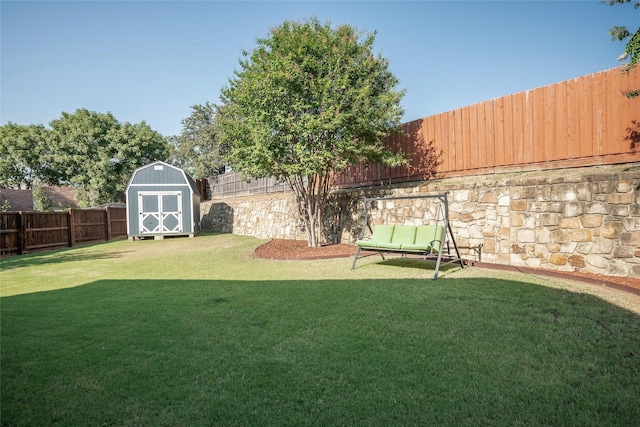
x,y
420,238
405,234
427,236
402,235
381,233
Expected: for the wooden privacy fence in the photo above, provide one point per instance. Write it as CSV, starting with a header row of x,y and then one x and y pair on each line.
x,y
24,232
580,122
201,185
233,185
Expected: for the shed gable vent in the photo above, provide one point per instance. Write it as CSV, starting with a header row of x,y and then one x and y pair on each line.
x,y
158,168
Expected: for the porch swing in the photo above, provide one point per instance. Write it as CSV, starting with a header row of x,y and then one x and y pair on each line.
x,y
426,241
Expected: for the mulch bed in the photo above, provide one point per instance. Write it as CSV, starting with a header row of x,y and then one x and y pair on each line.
x,y
283,249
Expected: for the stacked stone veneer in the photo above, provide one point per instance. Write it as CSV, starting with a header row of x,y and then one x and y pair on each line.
x,y
585,219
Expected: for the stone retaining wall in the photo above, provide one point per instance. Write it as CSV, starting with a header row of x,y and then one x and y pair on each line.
x,y
585,219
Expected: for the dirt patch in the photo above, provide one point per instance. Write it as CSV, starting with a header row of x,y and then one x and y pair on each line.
x,y
283,249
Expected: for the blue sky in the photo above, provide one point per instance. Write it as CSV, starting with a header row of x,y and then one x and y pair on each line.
x,y
153,60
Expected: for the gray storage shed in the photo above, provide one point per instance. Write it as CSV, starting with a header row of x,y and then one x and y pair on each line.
x,y
162,200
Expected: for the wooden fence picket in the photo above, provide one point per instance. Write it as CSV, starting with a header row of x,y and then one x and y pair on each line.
x,y
24,232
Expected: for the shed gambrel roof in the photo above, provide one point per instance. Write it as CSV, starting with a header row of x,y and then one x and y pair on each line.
x,y
170,175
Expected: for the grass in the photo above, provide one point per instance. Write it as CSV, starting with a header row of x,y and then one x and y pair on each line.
x,y
198,332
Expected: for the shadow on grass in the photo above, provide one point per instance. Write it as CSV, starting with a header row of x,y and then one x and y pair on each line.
x,y
420,264
57,257
77,253
473,351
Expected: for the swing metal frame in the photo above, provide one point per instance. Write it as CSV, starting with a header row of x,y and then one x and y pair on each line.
x,y
447,238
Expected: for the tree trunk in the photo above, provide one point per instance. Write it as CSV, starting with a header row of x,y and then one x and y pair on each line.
x,y
311,196
312,212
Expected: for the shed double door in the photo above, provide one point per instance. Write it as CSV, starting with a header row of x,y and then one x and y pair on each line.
x,y
160,212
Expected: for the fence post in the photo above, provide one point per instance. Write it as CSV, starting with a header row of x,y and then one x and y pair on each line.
x,y
107,218
24,243
21,236
72,230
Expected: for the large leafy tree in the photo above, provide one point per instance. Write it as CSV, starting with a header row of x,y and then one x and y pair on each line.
x,y
632,49
23,156
197,149
97,154
306,103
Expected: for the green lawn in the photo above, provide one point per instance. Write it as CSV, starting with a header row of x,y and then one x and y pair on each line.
x,y
197,332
